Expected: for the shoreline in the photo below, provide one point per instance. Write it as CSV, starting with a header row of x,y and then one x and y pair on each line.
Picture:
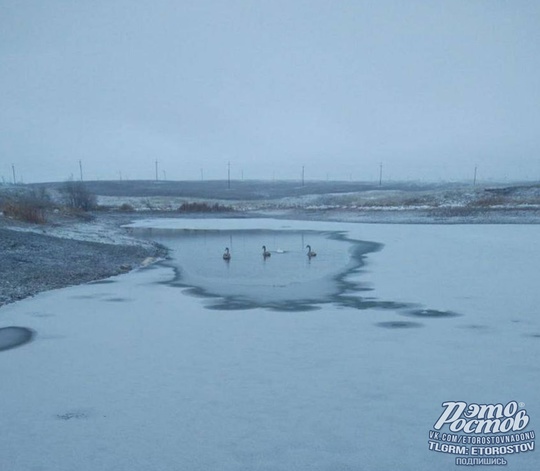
x,y
52,256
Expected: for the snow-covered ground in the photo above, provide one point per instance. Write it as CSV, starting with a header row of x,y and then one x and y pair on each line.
x,y
466,199
131,373
100,230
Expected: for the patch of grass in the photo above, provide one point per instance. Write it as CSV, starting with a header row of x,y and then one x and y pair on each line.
x,y
23,211
126,207
27,206
204,208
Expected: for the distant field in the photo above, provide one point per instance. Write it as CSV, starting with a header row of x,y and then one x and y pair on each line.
x,y
245,189
510,202
401,202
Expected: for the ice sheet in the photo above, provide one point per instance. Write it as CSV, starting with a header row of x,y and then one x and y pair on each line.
x,y
135,375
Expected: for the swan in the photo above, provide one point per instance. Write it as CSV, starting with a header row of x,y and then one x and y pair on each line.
x,y
266,253
226,255
310,252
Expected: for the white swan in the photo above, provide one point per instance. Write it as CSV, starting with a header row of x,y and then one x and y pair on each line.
x,y
310,252
227,254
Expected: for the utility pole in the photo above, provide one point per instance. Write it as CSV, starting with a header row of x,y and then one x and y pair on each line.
x,y
380,174
229,175
474,180
157,171
14,179
302,175
80,169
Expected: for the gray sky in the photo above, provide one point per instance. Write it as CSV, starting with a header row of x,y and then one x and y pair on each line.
x,y
429,88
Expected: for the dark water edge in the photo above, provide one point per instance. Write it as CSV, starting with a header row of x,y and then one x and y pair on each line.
x,y
346,294
12,337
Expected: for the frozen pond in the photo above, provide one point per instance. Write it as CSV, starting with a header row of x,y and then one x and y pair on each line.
x,y
286,279
181,366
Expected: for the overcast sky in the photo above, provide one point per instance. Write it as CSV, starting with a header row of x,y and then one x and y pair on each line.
x,y
430,89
